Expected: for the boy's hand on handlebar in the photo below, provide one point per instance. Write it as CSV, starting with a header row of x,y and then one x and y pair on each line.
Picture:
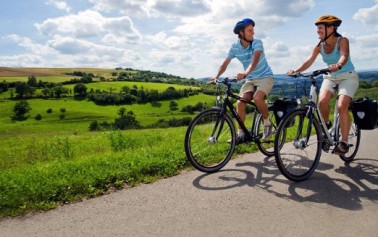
x,y
241,76
211,80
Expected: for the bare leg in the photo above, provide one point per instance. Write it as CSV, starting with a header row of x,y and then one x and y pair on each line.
x,y
241,106
259,98
324,99
345,121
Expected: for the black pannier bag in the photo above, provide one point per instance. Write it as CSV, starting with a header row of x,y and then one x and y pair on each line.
x,y
365,113
281,107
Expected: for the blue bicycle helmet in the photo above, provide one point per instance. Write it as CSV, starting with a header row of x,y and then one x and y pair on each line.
x,y
243,23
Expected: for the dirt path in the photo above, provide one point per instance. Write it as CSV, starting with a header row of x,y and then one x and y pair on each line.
x,y
248,198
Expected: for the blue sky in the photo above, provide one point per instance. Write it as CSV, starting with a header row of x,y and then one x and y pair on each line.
x,y
188,38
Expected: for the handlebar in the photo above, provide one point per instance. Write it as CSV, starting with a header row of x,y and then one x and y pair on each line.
x,y
225,81
311,74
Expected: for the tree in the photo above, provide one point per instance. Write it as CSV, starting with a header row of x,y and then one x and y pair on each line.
x,y
3,87
80,90
20,110
126,120
21,89
173,105
32,81
59,91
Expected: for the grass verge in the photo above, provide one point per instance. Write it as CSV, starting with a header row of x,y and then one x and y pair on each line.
x,y
54,171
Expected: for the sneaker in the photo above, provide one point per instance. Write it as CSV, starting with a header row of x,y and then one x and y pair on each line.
x,y
267,132
239,139
341,148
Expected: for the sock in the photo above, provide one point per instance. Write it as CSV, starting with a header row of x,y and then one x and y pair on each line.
x,y
240,131
267,122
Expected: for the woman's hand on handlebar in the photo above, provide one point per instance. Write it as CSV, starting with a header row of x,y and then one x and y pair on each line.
x,y
335,67
290,72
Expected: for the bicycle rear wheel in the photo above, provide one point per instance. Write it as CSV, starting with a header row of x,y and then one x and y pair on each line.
x,y
267,147
299,155
210,140
354,138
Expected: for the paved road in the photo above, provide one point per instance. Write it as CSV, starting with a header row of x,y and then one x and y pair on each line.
x,y
248,198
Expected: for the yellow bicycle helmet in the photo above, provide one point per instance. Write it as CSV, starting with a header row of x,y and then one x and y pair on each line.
x,y
328,20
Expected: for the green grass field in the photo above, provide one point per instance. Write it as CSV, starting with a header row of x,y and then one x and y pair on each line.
x,y
79,114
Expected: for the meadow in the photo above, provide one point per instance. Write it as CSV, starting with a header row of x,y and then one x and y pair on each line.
x,y
49,162
54,161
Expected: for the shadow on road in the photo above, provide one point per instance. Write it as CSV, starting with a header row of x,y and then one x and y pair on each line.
x,y
353,181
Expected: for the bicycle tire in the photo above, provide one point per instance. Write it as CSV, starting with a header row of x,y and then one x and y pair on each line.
x,y
210,140
354,138
296,160
266,147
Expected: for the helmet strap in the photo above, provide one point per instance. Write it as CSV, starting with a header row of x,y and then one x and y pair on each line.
x,y
241,36
327,36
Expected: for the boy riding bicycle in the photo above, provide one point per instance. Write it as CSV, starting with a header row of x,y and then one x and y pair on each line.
x,y
250,52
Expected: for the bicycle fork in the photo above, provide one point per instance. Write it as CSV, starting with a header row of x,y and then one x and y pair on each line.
x,y
301,143
216,130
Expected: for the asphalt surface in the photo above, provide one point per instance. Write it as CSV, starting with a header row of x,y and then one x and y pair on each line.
x,y
249,197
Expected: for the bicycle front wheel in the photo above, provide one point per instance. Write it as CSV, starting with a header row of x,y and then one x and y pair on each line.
x,y
210,140
300,149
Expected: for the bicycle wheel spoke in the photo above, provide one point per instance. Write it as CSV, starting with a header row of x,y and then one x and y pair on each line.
x,y
207,139
266,147
354,138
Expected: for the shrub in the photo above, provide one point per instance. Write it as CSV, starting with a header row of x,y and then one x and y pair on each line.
x,y
38,117
21,109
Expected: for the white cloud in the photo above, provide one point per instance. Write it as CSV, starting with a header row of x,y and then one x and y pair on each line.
x,y
181,8
367,15
85,24
28,44
69,45
138,8
61,5
91,24
22,60
278,50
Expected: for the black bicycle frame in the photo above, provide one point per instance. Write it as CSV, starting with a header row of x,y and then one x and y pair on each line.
x,y
227,103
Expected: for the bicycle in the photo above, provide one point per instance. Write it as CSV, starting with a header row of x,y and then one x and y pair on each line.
x,y
304,135
210,138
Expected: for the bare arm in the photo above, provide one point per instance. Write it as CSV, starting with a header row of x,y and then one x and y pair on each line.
x,y
309,61
222,68
344,54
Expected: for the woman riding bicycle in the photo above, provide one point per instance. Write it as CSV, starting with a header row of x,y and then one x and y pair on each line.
x,y
334,49
250,52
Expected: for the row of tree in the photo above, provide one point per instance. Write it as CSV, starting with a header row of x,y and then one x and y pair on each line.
x,y
134,95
